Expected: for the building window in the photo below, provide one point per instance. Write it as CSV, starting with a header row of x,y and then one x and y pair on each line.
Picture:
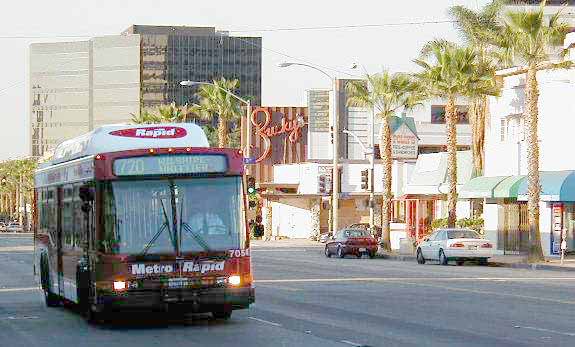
x,y
438,114
502,129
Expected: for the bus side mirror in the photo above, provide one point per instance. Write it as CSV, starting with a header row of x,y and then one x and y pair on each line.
x,y
86,193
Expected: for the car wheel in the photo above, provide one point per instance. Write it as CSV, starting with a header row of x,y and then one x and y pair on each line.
x,y
340,252
420,258
442,258
327,252
483,262
459,262
224,314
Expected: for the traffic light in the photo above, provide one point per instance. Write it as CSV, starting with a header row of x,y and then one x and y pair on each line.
x,y
322,186
331,133
365,179
252,192
3,181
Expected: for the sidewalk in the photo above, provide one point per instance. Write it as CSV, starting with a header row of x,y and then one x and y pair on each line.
x,y
5,233
286,243
509,261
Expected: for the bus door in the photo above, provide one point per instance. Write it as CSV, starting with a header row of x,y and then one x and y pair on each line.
x,y
59,264
71,228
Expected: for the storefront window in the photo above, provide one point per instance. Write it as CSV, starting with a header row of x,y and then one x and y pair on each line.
x,y
569,225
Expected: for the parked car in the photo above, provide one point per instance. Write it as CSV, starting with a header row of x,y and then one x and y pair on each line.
x,y
365,226
445,245
2,226
325,237
351,241
14,227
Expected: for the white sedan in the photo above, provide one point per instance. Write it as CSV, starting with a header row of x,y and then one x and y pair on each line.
x,y
444,245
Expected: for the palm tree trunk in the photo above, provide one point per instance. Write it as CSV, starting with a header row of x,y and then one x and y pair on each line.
x,y
451,121
385,151
533,188
477,114
222,133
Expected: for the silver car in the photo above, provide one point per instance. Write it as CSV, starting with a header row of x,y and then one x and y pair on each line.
x,y
445,245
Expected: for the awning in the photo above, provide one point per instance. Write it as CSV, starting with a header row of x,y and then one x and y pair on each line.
x,y
429,177
555,186
508,187
480,187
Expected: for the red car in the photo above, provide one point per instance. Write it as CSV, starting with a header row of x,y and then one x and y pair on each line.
x,y
351,241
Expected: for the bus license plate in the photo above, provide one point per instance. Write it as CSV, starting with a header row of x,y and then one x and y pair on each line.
x,y
180,282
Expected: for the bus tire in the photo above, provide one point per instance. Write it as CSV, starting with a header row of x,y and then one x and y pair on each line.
x,y
222,314
51,299
94,317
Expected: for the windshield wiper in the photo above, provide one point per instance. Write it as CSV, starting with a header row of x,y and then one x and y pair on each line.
x,y
162,228
186,227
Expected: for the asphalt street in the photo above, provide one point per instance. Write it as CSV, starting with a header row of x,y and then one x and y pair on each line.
x,y
306,299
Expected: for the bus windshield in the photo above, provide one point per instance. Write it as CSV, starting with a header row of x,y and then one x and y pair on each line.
x,y
162,216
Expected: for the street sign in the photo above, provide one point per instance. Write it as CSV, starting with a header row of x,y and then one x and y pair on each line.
x,y
250,160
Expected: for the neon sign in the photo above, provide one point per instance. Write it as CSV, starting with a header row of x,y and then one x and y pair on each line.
x,y
266,130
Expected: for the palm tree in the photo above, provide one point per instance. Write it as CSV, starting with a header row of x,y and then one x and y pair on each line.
x,y
215,101
452,72
531,37
480,30
145,117
165,114
385,94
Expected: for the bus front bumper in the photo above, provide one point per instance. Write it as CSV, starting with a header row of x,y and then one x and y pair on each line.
x,y
187,300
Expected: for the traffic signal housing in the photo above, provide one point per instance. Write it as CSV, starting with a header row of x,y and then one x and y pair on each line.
x,y
322,184
252,192
365,179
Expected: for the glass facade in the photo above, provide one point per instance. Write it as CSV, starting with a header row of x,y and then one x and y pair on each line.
x,y
77,86
189,54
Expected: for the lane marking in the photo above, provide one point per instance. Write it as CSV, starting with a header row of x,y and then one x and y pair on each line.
x,y
546,330
483,292
399,279
265,321
19,318
289,289
21,289
351,343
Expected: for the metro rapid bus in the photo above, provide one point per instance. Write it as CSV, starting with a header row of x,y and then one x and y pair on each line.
x,y
143,218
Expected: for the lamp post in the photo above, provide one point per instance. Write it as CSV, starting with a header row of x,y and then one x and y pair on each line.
x,y
371,156
247,150
335,131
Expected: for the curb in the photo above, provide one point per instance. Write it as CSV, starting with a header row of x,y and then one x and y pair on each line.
x,y
525,266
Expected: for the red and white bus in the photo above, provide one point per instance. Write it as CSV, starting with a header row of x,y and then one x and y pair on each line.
x,y
143,217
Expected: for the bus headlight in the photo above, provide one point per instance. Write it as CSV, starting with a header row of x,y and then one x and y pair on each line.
x,y
119,285
234,280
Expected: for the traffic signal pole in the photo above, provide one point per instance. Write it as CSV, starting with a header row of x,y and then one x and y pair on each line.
x,y
335,172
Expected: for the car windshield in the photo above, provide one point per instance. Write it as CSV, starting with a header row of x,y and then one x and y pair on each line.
x,y
357,233
161,216
462,234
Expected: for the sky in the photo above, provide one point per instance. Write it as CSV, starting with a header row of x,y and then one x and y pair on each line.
x,y
335,50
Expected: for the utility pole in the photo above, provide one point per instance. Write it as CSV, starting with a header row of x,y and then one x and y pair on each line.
x,y
335,172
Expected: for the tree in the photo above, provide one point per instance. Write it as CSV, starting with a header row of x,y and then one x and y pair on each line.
x,y
215,101
451,72
385,94
165,114
480,31
16,189
530,38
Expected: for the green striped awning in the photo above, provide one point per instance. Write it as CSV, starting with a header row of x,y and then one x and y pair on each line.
x,y
508,188
480,187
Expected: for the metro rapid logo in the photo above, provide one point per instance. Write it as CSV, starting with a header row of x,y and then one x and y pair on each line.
x,y
167,132
187,267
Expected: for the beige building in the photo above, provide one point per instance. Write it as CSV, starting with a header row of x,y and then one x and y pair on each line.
x,y
77,86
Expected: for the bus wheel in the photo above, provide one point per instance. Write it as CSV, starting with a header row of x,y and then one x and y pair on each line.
x,y
223,314
94,317
51,299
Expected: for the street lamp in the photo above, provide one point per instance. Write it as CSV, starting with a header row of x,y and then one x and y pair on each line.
x,y
248,112
371,156
335,130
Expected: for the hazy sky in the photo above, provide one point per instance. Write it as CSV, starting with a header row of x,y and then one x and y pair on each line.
x,y
392,47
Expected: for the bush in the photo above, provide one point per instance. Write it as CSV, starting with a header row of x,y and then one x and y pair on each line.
x,y
469,223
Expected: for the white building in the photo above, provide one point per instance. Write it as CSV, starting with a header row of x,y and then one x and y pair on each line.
x,y
504,185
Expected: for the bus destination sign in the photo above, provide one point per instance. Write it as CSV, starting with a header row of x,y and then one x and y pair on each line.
x,y
172,164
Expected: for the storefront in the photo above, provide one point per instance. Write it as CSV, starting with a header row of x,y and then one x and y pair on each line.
x,y
506,216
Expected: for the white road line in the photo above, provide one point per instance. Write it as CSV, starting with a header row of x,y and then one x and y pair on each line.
x,y
19,318
434,279
265,321
351,343
547,331
21,289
